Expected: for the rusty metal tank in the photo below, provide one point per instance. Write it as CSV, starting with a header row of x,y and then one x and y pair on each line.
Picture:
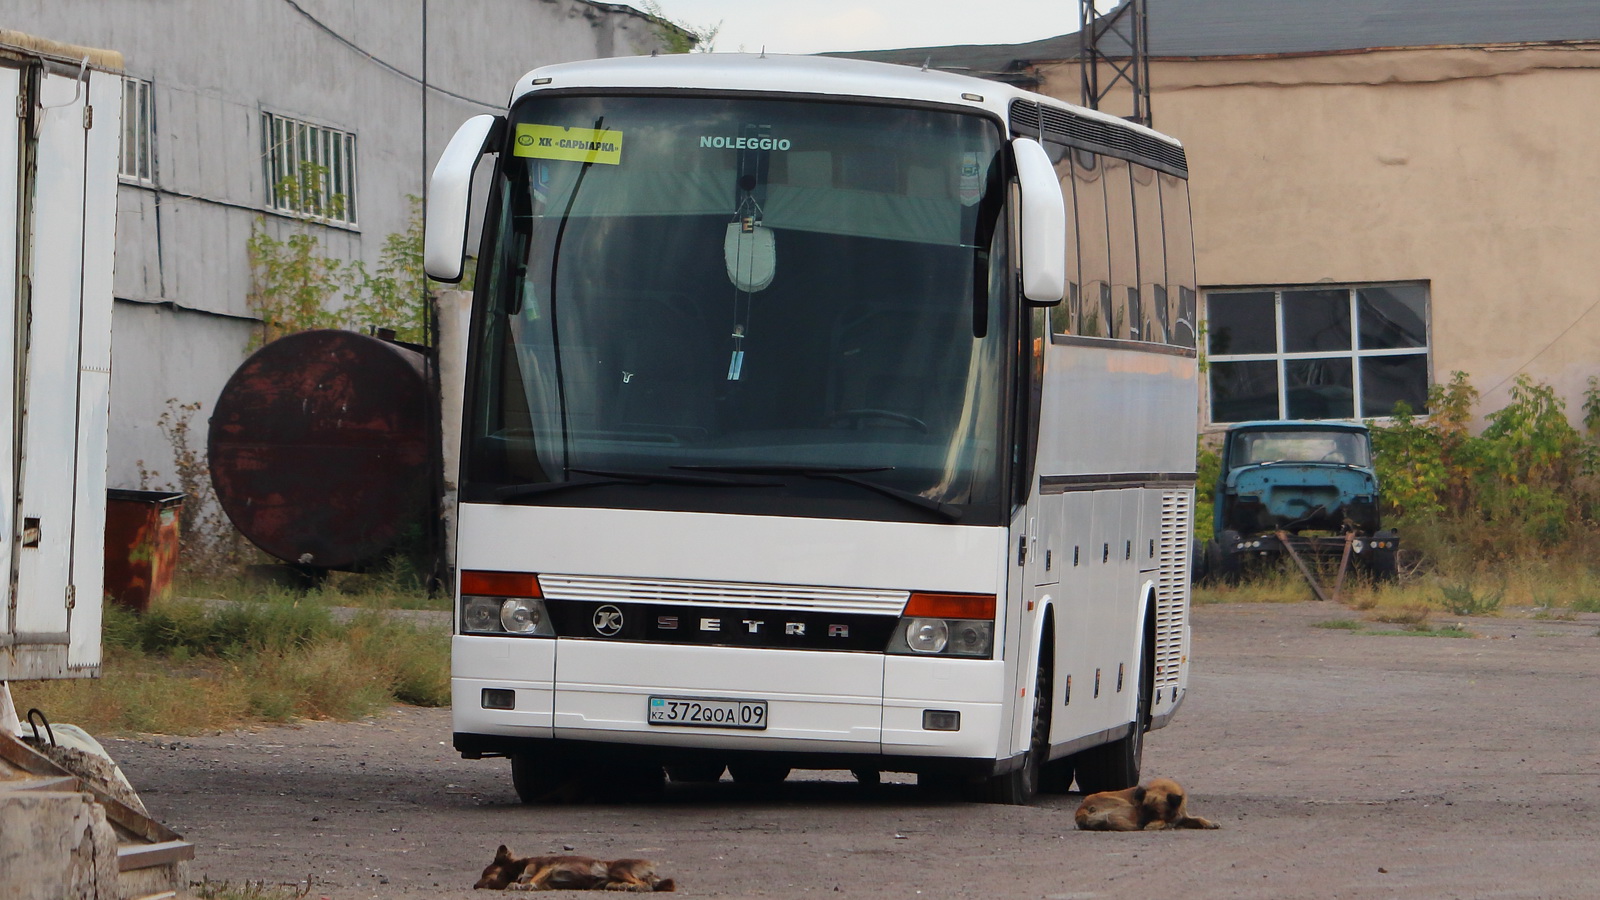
x,y
321,449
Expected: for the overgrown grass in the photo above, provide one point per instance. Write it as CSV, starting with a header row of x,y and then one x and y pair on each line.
x,y
1445,631
395,585
1492,518
1417,629
184,667
1339,625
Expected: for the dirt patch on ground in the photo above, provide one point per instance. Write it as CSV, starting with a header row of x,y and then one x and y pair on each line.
x,y
1339,764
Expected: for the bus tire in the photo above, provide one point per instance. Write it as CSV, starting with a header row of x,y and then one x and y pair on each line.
x,y
1019,786
1115,766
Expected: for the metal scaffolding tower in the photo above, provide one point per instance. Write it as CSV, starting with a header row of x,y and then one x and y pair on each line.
x,y
1117,42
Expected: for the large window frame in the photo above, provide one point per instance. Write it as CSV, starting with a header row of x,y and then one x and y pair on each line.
x,y
1290,365
288,147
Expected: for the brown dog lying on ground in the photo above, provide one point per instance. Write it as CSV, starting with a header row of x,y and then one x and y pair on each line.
x,y
1157,805
571,873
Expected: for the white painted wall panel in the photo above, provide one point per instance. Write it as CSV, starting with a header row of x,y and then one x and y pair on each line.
x,y
49,464
94,370
213,67
10,182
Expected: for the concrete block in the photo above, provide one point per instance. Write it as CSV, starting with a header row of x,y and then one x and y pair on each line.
x,y
56,846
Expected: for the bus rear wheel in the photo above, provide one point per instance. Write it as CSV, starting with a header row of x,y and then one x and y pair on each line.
x,y
1115,766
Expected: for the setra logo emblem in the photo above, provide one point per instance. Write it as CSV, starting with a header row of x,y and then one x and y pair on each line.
x,y
608,620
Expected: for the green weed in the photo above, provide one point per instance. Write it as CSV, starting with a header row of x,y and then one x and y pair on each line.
x,y
1443,631
1339,625
1463,599
185,667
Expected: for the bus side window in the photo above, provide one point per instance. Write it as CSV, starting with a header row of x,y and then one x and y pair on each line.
x,y
1124,248
1152,255
1094,255
1182,292
1064,317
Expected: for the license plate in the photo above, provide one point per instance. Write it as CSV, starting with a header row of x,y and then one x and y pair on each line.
x,y
704,712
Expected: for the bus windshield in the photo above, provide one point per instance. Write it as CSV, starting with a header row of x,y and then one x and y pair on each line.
x,y
765,306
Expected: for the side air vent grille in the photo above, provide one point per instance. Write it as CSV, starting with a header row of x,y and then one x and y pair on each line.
x,y
1101,137
1172,589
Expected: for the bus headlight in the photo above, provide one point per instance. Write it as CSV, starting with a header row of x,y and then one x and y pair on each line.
x,y
927,635
522,616
505,615
922,636
480,614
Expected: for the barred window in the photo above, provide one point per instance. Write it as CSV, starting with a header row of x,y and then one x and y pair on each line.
x,y
310,169
138,132
1317,351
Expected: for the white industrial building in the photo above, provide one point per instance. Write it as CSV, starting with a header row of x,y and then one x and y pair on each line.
x,y
213,91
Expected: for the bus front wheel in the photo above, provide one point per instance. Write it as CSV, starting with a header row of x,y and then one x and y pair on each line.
x,y
1019,786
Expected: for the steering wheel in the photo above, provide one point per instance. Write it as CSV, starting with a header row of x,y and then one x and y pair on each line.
x,y
860,415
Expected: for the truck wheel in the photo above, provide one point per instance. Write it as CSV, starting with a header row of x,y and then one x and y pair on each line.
x,y
1223,564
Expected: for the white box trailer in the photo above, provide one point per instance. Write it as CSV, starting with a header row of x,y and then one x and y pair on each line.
x,y
67,830
59,140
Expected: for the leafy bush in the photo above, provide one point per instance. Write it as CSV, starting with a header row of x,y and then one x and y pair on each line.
x,y
1523,488
1463,600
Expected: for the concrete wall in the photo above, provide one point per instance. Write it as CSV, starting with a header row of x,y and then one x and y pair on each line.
x,y
56,846
182,322
1471,169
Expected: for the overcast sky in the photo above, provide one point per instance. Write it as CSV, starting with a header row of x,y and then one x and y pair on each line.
x,y
814,26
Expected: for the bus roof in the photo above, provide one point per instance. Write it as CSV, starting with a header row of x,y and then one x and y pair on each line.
x,y
779,73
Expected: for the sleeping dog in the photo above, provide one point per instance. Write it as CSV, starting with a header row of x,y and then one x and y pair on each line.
x,y
1157,805
571,873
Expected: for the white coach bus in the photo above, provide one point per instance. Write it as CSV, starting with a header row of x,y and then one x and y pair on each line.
x,y
819,414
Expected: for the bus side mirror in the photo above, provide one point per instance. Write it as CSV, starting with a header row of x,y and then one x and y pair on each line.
x,y
450,200
1044,225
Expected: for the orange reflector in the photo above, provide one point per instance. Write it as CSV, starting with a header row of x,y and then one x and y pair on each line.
x,y
500,584
950,606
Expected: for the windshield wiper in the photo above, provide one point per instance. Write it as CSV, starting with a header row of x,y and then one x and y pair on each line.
x,y
845,474
603,477
670,478
778,469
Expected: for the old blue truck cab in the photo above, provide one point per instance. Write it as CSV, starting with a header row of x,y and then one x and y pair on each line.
x,y
1312,480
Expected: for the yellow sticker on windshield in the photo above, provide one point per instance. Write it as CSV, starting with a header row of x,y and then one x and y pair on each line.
x,y
585,145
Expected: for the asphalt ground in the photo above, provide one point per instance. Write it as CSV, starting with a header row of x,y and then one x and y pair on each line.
x,y
1338,763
